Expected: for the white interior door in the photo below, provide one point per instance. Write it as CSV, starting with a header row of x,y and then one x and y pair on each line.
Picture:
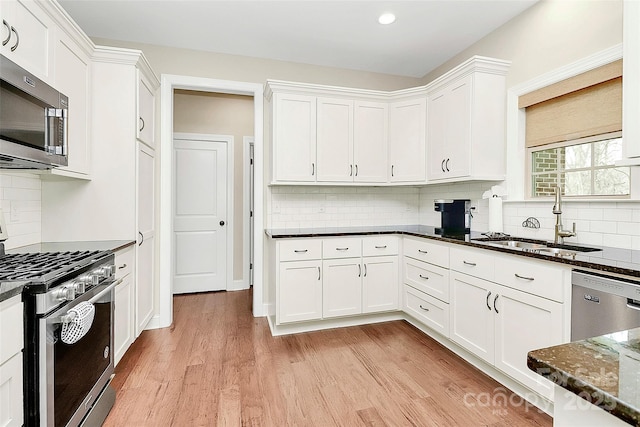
x,y
200,215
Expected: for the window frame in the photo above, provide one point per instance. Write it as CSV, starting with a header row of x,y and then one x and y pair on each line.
x,y
587,197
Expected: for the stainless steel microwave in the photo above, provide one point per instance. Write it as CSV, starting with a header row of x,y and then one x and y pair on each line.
x,y
33,121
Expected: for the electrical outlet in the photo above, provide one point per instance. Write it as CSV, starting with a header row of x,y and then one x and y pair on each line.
x,y
321,209
15,213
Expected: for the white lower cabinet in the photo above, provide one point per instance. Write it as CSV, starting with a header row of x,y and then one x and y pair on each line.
x,y
11,343
124,316
501,325
380,284
299,291
427,309
341,287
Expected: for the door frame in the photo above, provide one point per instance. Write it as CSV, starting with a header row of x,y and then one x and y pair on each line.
x,y
229,214
170,82
248,144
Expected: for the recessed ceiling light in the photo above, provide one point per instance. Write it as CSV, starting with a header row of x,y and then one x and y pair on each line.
x,y
387,18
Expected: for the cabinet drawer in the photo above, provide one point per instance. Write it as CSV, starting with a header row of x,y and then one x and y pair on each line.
x,y
300,249
428,310
474,262
537,278
124,261
428,278
426,251
379,245
341,248
11,338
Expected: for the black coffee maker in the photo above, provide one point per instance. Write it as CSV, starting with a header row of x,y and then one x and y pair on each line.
x,y
456,216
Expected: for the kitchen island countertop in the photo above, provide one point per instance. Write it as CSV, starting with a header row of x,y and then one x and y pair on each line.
x,y
603,370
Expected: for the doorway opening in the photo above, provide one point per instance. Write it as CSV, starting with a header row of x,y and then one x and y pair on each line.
x,y
171,83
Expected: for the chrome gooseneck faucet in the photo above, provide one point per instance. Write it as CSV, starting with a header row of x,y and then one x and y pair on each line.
x,y
560,234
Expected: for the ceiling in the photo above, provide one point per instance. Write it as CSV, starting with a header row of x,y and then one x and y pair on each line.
x,y
343,34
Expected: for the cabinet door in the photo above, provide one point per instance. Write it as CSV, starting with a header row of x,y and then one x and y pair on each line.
x,y
380,284
407,128
458,122
437,134
299,291
146,237
146,109
29,32
335,140
341,287
294,137
11,405
124,319
72,71
370,146
472,315
525,322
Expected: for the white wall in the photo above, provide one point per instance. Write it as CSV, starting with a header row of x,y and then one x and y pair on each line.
x,y
20,199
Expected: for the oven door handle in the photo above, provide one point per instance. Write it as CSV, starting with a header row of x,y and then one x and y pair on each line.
x,y
66,318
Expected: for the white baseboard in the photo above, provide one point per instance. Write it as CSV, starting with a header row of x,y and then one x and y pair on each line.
x,y
154,323
295,328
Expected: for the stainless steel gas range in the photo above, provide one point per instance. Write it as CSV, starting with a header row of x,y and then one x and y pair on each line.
x,y
68,358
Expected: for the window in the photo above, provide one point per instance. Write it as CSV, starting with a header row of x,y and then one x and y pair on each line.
x,y
581,168
573,135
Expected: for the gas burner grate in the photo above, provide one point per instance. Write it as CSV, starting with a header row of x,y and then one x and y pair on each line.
x,y
38,266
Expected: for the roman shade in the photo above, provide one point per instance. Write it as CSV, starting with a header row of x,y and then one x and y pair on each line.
x,y
585,105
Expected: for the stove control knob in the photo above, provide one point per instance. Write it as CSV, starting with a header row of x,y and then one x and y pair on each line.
x,y
86,280
65,293
79,287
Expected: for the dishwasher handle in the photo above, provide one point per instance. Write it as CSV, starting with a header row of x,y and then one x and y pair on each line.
x,y
633,304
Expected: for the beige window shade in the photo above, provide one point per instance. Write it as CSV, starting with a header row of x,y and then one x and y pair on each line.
x,y
590,111
593,77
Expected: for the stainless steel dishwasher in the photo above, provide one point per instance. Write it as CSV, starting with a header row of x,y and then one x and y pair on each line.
x,y
602,304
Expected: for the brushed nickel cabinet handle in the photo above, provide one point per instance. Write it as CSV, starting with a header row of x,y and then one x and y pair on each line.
x,y
423,277
318,273
359,270
122,266
488,296
342,249
301,251
15,46
350,170
313,169
446,165
494,303
141,124
392,170
442,165
5,41
472,264
423,252
424,308
365,270
524,277
381,247
356,170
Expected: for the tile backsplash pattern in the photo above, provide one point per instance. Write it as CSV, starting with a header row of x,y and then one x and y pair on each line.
x,y
606,223
20,200
304,207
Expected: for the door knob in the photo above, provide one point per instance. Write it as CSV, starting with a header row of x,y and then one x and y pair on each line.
x,y
221,222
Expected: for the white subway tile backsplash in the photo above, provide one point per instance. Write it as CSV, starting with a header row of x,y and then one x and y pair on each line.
x,y
21,196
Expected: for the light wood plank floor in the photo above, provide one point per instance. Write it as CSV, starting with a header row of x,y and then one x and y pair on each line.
x,y
217,365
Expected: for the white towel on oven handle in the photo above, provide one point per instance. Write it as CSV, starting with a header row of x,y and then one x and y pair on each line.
x,y
80,321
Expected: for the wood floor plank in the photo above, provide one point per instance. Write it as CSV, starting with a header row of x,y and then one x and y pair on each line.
x,y
217,365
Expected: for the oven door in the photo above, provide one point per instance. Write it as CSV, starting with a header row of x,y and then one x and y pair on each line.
x,y
73,375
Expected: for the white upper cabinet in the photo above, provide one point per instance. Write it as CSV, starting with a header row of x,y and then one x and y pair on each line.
x,y
352,141
407,130
370,147
294,138
27,35
146,110
631,86
73,78
465,122
335,140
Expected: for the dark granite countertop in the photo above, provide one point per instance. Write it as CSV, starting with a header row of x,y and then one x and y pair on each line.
x,y
605,259
9,289
96,245
604,370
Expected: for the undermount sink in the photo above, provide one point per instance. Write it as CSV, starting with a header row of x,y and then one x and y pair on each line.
x,y
537,246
